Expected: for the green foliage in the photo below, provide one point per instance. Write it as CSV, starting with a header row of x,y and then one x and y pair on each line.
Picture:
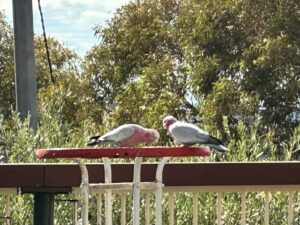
x,y
22,210
64,209
63,62
70,100
78,96
251,44
273,78
19,140
234,64
68,91
139,63
7,94
53,132
249,146
228,100
233,60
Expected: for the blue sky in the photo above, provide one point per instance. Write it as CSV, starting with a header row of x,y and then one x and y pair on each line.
x,y
70,21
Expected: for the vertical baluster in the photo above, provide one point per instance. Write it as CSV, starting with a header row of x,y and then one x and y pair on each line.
x,y
147,209
267,208
123,209
219,208
195,208
108,207
243,204
158,204
171,208
84,192
7,210
291,208
136,190
108,194
158,191
99,209
75,219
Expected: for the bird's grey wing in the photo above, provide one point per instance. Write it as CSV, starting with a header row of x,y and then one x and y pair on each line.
x,y
188,134
119,134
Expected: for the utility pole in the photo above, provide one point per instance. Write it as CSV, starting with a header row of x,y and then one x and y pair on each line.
x,y
26,92
25,78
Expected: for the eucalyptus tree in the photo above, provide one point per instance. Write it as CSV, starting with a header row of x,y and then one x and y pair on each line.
x,y
244,59
7,91
229,62
137,70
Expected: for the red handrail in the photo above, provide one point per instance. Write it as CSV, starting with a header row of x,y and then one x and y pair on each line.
x,y
123,152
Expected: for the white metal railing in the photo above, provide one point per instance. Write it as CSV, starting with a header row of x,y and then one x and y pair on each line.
x,y
157,187
231,177
136,186
170,195
169,200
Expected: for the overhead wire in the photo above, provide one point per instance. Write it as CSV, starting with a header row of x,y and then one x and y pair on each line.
x,y
46,43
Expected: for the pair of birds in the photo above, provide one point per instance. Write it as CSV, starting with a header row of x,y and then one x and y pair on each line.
x,y
186,134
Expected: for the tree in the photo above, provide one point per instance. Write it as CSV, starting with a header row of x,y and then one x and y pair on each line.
x,y
222,62
137,71
7,92
236,59
68,86
253,45
271,61
68,92
62,59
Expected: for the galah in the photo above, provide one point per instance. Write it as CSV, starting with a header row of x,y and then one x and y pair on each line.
x,y
189,134
127,135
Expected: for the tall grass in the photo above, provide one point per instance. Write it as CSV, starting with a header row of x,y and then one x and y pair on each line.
x,y
19,141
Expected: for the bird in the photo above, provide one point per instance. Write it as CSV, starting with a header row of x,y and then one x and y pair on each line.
x,y
127,135
189,134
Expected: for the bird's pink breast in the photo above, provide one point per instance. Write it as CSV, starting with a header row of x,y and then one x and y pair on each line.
x,y
137,137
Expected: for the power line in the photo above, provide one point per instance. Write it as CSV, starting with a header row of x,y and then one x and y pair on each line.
x,y
46,43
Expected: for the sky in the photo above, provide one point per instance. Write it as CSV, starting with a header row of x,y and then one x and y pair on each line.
x,y
70,21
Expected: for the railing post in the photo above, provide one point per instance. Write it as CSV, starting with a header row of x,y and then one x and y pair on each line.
x,y
243,212
171,208
84,190
136,190
291,208
158,191
75,218
267,208
123,209
43,208
219,208
108,192
8,210
99,209
147,209
195,208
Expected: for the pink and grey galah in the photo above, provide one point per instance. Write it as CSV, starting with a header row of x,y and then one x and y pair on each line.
x,y
127,135
189,134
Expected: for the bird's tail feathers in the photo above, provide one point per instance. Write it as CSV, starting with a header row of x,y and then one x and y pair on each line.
x,y
96,140
93,143
214,141
219,148
94,137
